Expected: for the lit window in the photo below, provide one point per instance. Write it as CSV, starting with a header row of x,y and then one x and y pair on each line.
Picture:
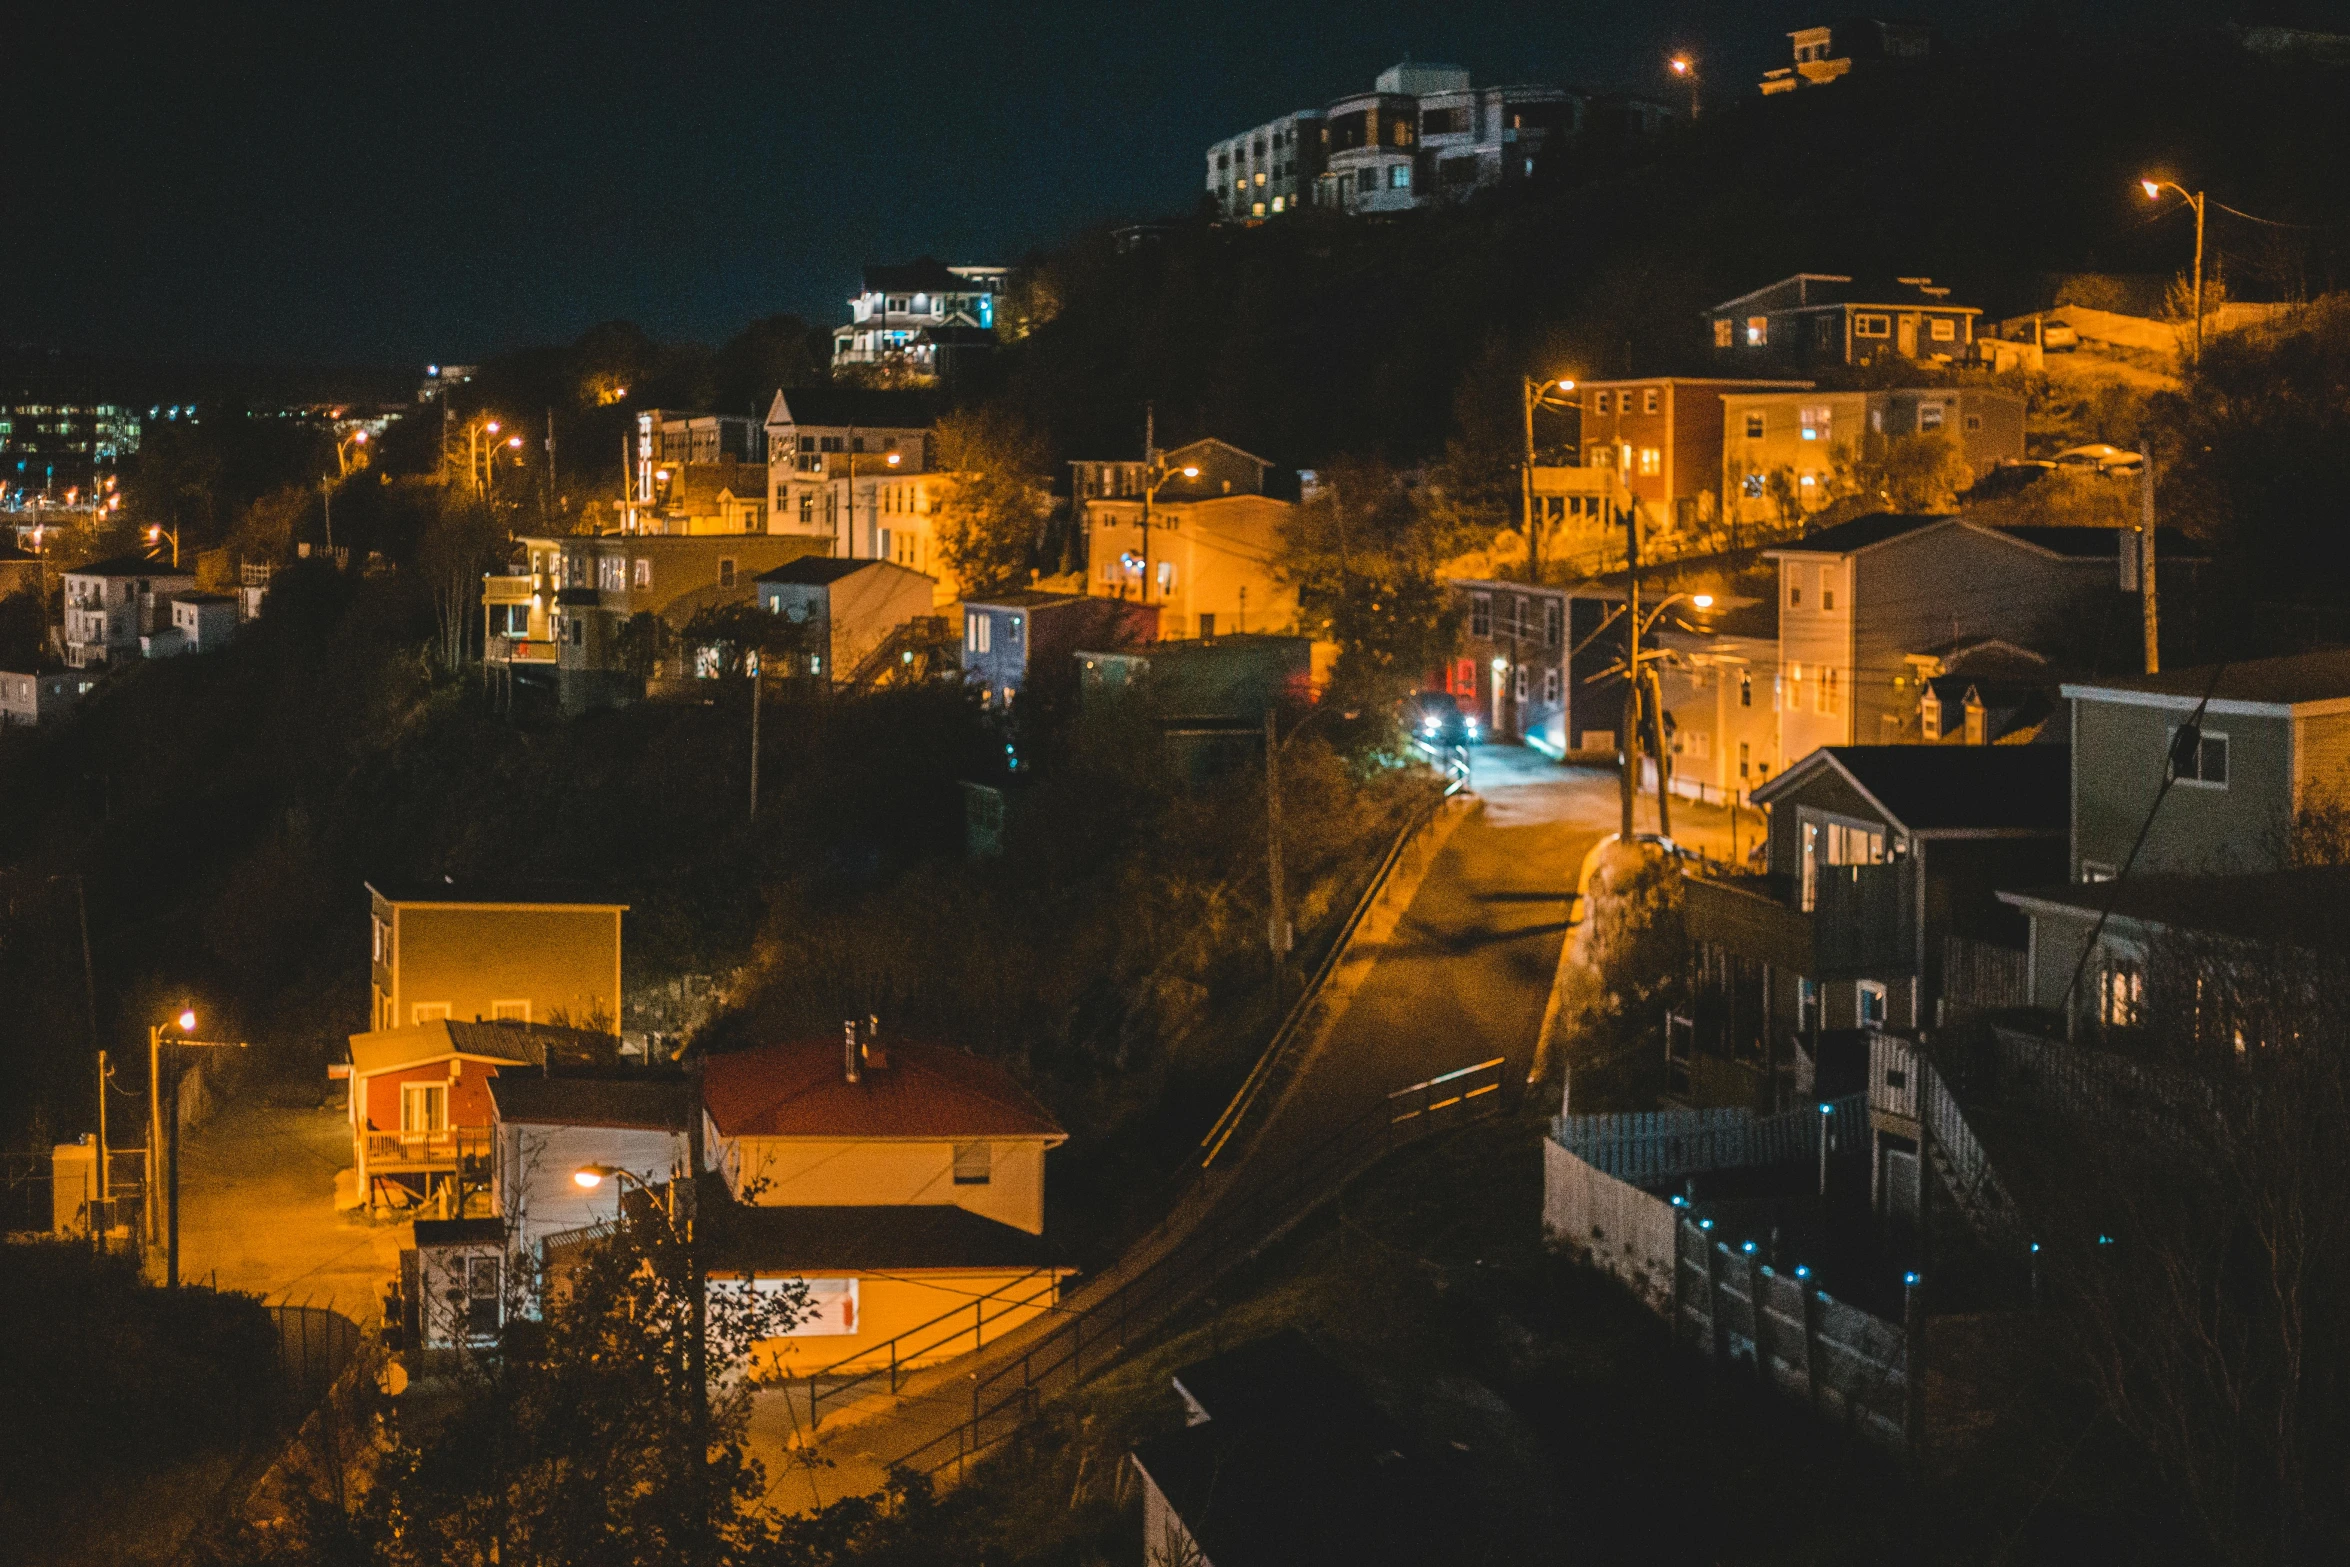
x,y
1279,202
1652,460
1758,331
2121,993
1942,329
1400,176
1815,424
1260,177
1929,416
1724,330
1256,209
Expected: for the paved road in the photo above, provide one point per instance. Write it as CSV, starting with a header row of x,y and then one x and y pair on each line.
x,y
1464,977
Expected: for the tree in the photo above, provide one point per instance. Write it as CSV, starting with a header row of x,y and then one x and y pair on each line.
x,y
771,353
1920,474
265,528
1363,555
2199,1247
461,541
733,632
583,1437
992,516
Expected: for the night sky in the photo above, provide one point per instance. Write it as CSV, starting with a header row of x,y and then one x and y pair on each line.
x,y
400,183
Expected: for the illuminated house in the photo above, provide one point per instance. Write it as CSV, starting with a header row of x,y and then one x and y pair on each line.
x,y
904,1183
1805,437
852,465
111,604
559,616
1825,54
1207,564
458,953
1028,640
1828,318
849,611
547,1127
1422,134
902,314
420,1107
1661,439
1509,674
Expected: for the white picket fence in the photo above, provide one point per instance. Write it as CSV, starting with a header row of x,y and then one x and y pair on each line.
x,y
1663,1145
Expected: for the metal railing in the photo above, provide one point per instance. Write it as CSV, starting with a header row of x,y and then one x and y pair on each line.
x,y
392,1150
1292,1026
936,1337
1090,1338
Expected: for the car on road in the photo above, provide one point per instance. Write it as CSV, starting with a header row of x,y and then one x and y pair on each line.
x,y
1435,721
2100,456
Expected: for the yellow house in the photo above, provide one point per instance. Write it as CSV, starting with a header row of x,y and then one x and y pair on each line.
x,y
905,1185
453,952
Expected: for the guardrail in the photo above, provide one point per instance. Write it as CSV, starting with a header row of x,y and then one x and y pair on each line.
x,y
1238,1229
1293,1021
907,1348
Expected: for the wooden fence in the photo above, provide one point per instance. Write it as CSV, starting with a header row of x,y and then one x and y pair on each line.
x,y
1851,1367
1978,974
1664,1145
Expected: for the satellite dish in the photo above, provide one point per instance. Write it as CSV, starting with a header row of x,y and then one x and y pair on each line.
x,y
392,1379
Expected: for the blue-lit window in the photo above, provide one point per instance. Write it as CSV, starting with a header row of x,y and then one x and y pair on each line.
x,y
987,310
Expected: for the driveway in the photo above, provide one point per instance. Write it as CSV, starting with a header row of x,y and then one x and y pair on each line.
x,y
257,1206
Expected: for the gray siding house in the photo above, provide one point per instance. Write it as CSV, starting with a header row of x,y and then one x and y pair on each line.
x,y
2272,749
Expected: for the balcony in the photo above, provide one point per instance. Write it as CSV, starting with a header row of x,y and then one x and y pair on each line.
x,y
1863,925
520,650
391,1152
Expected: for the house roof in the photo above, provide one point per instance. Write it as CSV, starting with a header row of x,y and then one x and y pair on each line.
x,y
929,275
2250,685
1023,598
823,570
2307,907
204,598
1293,1463
1822,290
476,894
431,1233
1846,538
926,1091
388,1049
1930,790
749,1238
128,566
648,1103
859,407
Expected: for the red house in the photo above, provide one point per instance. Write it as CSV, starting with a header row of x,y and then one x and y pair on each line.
x,y
420,1106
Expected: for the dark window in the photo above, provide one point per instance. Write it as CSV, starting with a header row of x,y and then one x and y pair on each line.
x,y
1554,623
974,1163
1480,614
1745,699
726,573
2201,758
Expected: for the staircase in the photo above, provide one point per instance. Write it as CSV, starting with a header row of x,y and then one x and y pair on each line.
x,y
920,650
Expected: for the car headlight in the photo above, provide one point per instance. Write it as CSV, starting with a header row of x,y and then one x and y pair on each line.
x,y
1472,729
1430,727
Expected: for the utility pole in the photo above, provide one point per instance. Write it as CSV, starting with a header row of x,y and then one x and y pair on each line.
x,y
1150,491
1533,528
1631,735
2147,599
1277,922
758,681
102,1213
326,505
547,485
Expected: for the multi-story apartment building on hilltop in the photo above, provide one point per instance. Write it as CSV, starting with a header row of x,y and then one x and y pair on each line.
x,y
1422,133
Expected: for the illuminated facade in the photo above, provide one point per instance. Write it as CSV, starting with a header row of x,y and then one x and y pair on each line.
x,y
47,448
1421,135
900,313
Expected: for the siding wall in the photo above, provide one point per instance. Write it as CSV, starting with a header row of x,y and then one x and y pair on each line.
x,y
558,960
811,1172
900,1303
2120,753
532,1180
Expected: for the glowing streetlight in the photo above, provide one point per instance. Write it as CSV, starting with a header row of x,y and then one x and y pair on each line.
x,y
2154,188
1553,394
1685,67
157,533
1702,600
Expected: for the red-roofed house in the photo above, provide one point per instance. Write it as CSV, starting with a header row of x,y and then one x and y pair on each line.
x,y
905,1184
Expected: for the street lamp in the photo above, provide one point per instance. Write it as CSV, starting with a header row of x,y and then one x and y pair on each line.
x,y
1154,481
186,1024
350,452
1683,66
2154,188
157,533
1538,393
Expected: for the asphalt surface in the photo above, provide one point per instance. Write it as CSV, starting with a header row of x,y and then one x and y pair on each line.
x,y
1464,977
